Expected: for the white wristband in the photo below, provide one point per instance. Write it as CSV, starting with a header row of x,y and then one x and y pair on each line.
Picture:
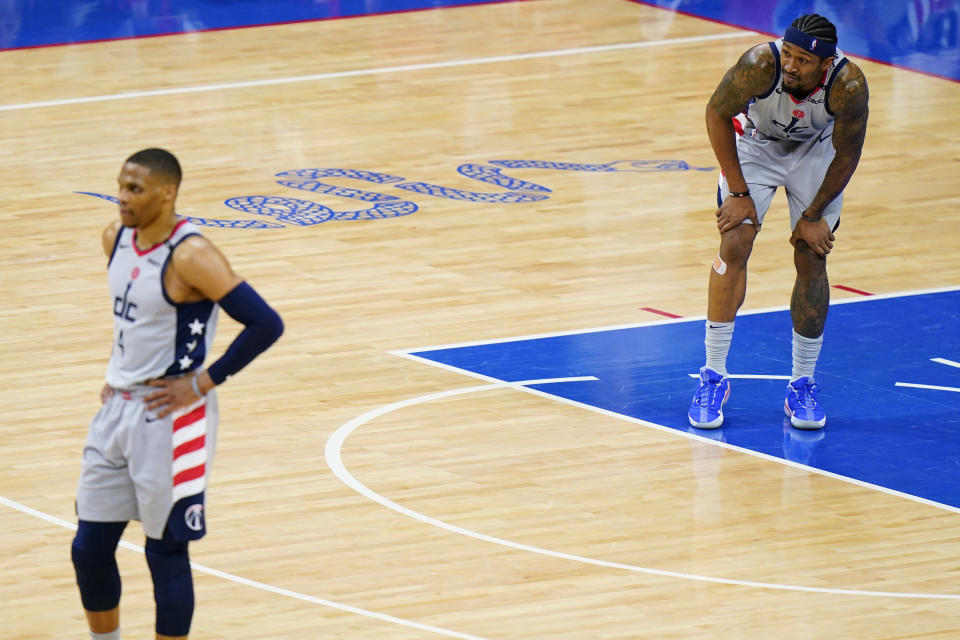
x,y
196,387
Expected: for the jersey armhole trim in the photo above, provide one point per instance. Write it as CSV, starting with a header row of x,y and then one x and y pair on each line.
x,y
776,74
166,263
826,89
116,243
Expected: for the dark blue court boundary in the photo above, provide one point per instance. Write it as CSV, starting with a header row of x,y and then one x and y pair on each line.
x,y
60,23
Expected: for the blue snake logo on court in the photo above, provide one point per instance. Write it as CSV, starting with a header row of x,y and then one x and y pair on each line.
x,y
298,212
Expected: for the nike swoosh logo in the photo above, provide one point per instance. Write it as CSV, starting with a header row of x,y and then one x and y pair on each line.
x,y
822,137
149,419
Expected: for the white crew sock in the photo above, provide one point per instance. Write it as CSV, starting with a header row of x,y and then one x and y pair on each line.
x,y
111,635
717,343
806,351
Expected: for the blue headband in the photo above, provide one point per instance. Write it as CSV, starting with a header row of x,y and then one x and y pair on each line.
x,y
817,46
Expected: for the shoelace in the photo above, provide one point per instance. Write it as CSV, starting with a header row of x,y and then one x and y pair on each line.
x,y
805,395
706,392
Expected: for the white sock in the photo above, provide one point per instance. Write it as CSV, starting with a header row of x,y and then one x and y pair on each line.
x,y
806,351
111,635
717,342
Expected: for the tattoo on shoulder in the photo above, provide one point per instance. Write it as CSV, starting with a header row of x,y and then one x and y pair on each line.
x,y
849,95
848,99
752,75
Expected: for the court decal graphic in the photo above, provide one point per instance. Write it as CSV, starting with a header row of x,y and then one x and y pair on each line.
x,y
499,188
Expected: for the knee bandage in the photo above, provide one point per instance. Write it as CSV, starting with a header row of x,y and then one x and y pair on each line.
x,y
169,566
94,560
719,265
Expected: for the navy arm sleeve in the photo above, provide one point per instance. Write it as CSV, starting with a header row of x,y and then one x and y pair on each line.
x,y
262,327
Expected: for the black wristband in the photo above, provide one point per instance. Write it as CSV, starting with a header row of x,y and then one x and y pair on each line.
x,y
740,194
809,219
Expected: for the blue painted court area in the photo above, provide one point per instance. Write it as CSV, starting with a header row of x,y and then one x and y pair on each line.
x,y
33,24
923,35
899,437
914,34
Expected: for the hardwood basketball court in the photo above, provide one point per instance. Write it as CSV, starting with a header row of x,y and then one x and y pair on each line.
x,y
488,513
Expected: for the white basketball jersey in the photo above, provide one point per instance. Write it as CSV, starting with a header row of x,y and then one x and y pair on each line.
x,y
153,336
777,114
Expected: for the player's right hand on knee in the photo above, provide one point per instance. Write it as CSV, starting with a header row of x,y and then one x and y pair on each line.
x,y
733,211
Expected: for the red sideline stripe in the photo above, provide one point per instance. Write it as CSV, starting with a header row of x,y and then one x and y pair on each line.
x,y
189,474
662,313
852,290
193,445
188,419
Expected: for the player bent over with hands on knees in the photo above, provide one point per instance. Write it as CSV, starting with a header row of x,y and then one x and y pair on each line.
x,y
149,448
789,113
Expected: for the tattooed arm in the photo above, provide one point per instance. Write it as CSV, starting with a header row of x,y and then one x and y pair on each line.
x,y
848,100
752,75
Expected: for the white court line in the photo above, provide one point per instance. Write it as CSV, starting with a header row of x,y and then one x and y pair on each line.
x,y
925,386
266,82
748,376
933,387
677,432
333,455
650,323
950,363
266,587
259,585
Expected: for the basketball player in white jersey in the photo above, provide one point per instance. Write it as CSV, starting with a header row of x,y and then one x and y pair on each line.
x,y
789,113
149,449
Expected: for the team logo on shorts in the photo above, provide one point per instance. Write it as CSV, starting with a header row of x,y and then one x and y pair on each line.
x,y
193,517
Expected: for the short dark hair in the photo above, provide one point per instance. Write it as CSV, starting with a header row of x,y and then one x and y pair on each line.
x,y
158,161
816,26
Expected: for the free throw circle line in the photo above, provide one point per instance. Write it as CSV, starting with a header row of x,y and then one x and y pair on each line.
x,y
333,455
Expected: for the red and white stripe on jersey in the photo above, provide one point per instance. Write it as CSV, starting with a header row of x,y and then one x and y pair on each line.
x,y
739,121
189,451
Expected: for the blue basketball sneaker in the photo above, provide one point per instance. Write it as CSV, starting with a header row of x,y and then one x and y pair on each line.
x,y
706,410
802,405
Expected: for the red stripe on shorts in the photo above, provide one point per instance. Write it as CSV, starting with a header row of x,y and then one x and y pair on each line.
x,y
189,474
193,445
194,416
